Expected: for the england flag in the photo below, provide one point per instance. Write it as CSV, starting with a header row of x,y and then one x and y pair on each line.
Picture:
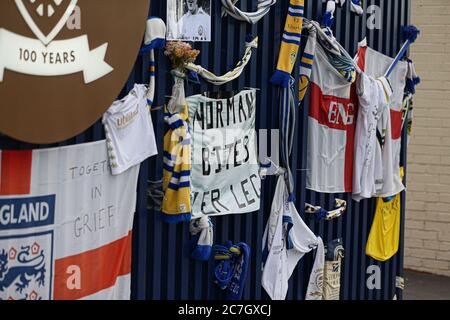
x,y
65,224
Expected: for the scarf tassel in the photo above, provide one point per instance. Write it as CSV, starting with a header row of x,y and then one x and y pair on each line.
x,y
155,44
328,20
291,198
202,237
170,218
281,78
200,252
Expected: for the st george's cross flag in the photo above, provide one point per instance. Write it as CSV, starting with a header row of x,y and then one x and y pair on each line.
x,y
65,224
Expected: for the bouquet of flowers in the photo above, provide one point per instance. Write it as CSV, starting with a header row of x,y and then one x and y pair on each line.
x,y
180,53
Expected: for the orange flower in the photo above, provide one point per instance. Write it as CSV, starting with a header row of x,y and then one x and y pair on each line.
x,y
180,53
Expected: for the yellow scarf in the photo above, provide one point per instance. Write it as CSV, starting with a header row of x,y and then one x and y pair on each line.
x,y
290,43
176,206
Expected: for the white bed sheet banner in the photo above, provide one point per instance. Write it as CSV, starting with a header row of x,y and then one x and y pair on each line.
x,y
225,169
65,224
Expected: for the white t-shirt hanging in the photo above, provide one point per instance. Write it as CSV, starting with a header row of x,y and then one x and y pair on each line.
x,y
373,95
129,131
375,64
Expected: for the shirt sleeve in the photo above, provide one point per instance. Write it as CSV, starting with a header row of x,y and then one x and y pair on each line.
x,y
364,89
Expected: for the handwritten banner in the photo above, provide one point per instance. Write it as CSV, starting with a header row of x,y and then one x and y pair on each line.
x,y
225,170
67,235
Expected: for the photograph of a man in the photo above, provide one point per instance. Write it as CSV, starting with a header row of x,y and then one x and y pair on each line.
x,y
189,20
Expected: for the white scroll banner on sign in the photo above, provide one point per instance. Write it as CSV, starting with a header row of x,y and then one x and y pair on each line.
x,y
63,57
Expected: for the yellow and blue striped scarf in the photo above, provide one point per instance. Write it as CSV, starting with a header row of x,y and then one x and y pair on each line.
x,y
290,43
176,206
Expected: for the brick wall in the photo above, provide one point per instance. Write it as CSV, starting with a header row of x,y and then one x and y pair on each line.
x,y
427,244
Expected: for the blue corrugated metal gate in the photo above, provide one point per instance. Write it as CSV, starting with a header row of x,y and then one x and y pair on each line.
x,y
162,268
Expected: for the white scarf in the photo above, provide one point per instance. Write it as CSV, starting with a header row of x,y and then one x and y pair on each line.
x,y
250,17
231,75
328,19
203,228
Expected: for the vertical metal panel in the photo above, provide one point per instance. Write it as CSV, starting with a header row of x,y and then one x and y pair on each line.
x,y
162,268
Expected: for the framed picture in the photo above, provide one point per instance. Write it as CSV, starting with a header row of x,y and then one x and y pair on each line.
x,y
189,20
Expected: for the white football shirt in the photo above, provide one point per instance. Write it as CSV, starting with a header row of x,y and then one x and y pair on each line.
x,y
375,65
373,111
129,131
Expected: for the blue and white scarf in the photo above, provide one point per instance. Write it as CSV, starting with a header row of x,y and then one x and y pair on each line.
x,y
229,7
197,70
155,37
232,262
